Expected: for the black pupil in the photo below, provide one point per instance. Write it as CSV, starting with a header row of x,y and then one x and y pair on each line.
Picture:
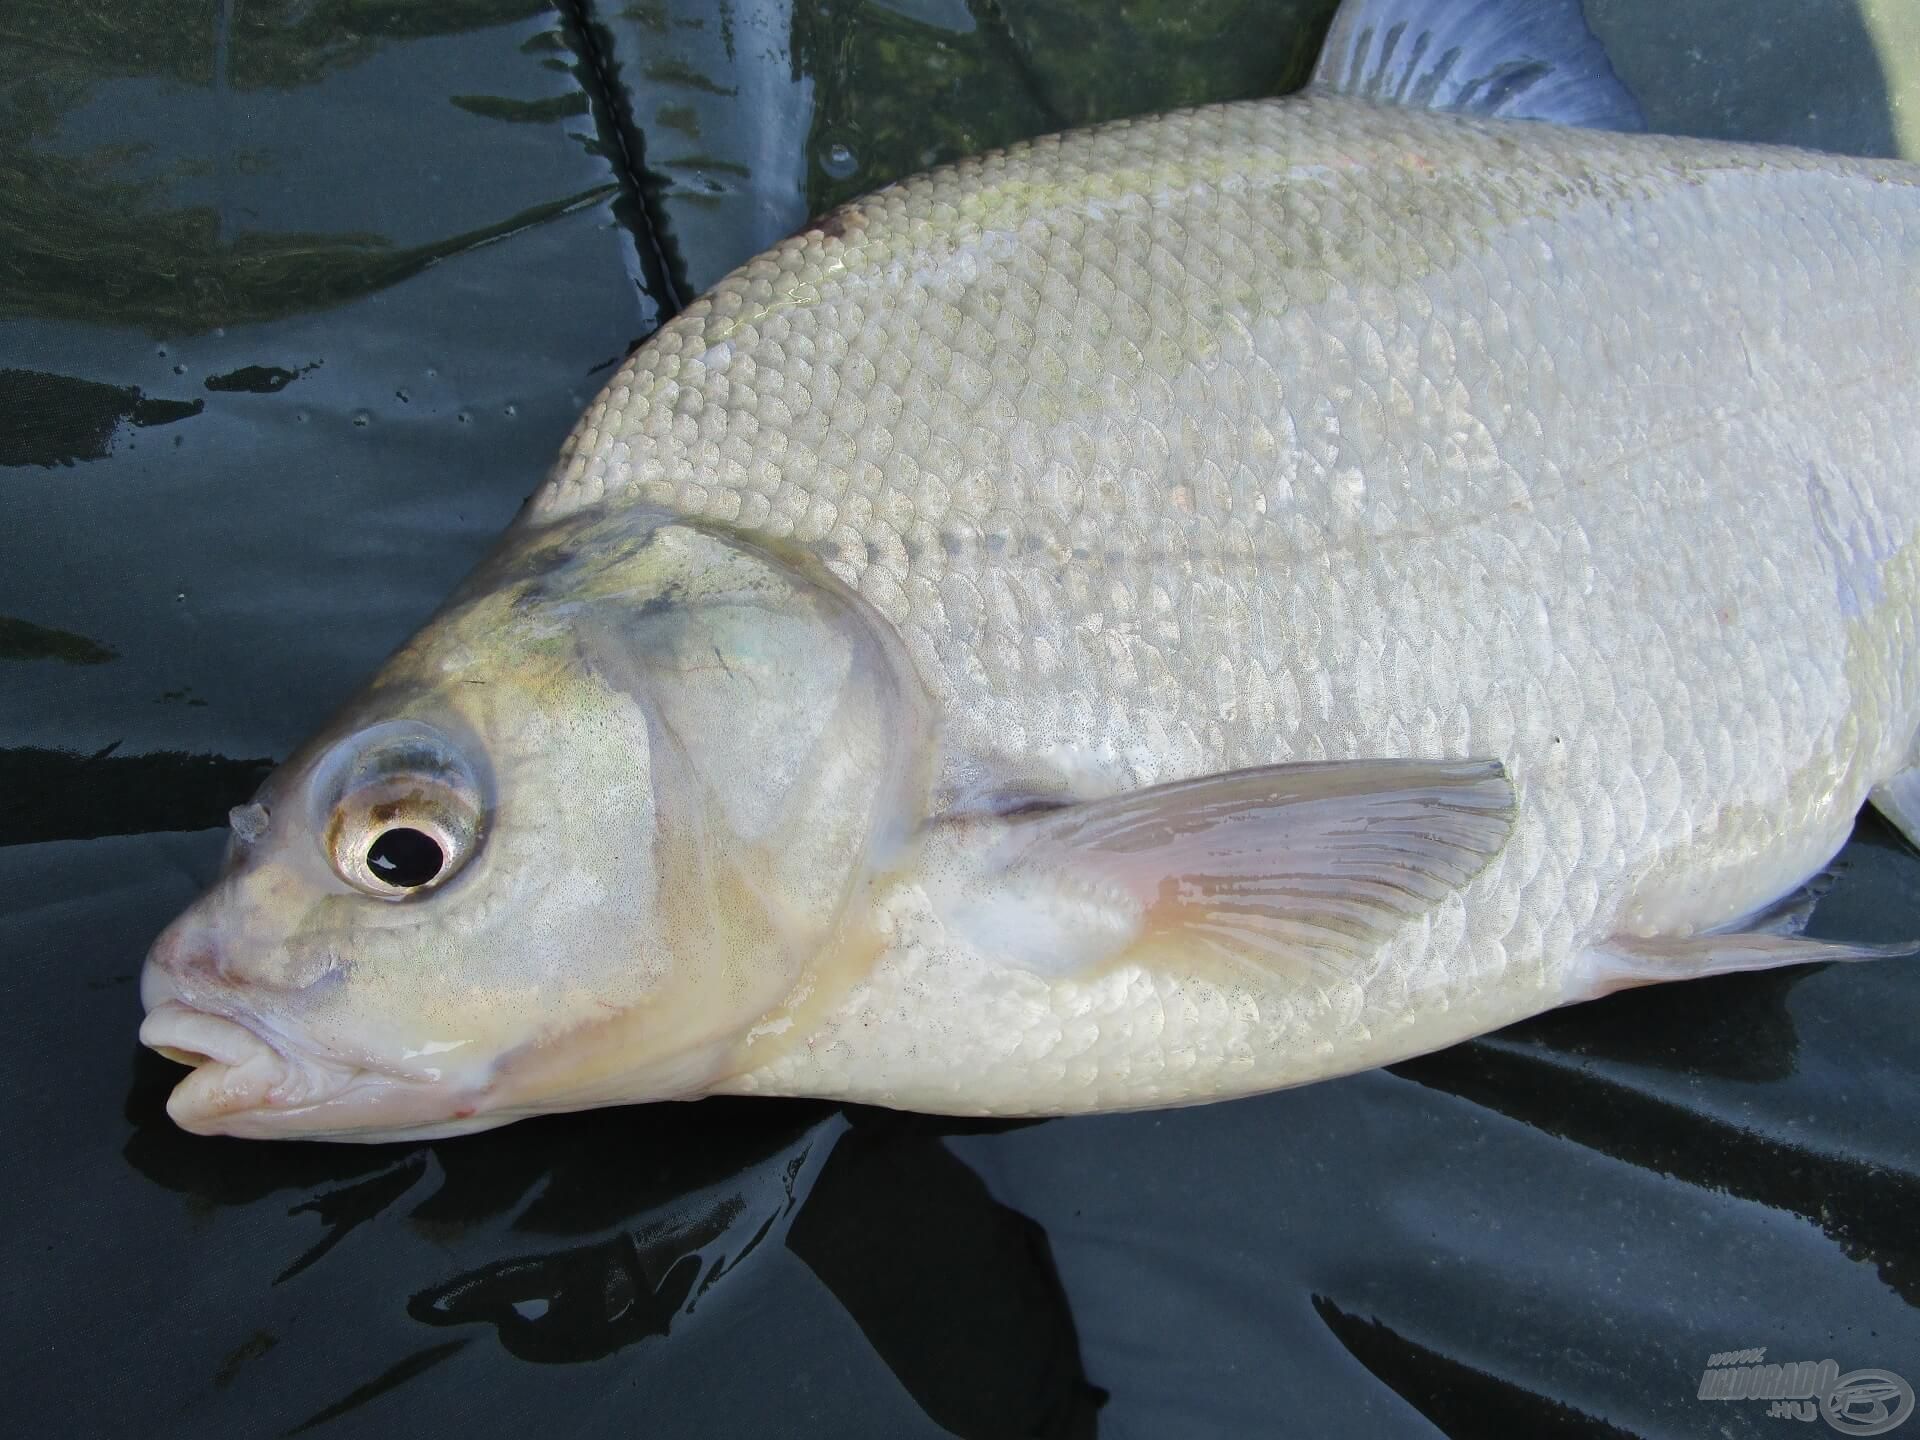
x,y
405,858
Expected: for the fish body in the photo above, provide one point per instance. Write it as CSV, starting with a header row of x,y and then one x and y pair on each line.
x,y
1154,614
1311,430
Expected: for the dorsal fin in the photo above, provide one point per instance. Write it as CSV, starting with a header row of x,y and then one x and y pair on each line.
x,y
1512,59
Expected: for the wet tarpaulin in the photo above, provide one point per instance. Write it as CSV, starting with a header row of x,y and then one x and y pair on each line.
x,y
296,303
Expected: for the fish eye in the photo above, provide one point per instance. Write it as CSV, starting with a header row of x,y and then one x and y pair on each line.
x,y
402,812
405,858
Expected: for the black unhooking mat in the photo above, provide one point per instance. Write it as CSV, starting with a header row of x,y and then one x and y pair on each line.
x,y
297,298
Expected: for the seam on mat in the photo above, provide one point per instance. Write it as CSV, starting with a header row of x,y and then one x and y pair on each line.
x,y
621,138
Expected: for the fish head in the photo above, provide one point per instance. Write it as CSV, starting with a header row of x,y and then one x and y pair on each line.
x,y
572,844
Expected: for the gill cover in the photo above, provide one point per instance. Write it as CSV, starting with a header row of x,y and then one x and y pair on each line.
x,y
783,730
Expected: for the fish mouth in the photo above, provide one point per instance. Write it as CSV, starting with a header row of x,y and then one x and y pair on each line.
x,y
245,1085
233,1068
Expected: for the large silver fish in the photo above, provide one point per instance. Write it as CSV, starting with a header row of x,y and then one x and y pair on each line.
x,y
1155,614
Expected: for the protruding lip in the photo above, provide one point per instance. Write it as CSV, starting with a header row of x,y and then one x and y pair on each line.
x,y
233,1068
242,1085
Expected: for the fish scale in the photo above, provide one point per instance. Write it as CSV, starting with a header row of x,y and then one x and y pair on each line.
x,y
1294,380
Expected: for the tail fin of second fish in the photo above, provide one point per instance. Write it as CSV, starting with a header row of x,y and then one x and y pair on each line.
x,y
1505,59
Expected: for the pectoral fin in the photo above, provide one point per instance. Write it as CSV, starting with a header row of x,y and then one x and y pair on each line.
x,y
1263,874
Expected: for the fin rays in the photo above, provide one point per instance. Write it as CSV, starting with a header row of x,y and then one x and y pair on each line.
x,y
1505,59
1286,869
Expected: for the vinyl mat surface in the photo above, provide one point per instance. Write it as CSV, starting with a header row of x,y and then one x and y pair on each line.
x,y
297,299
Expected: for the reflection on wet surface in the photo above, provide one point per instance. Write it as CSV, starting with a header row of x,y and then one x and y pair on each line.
x,y
90,197
570,1305
258,379
60,420
392,1378
605,1231
975,1324
68,795
1864,1208
299,299
24,640
1457,1398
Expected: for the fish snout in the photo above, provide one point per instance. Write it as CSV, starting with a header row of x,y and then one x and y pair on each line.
x,y
233,1068
183,961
